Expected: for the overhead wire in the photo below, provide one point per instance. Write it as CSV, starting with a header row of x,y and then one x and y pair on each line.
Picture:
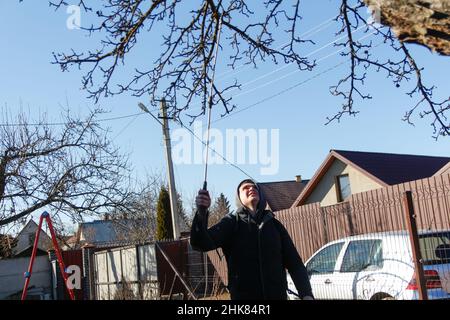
x,y
239,94
289,64
222,118
125,127
283,67
287,75
280,92
307,33
264,100
226,160
65,123
234,113
232,164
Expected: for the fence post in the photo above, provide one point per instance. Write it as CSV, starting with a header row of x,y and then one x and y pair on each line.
x,y
138,262
58,286
87,252
174,269
414,238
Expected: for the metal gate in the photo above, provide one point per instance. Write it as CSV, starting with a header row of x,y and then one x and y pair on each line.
x,y
126,273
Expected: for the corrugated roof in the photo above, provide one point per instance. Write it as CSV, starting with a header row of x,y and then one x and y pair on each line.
x,y
395,168
99,231
115,231
281,194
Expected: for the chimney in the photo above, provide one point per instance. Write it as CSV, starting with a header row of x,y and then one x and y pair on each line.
x,y
298,178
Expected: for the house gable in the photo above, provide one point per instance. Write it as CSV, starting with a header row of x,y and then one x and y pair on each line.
x,y
326,182
444,170
326,191
368,171
26,236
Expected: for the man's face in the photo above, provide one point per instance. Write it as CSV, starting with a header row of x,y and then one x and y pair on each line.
x,y
248,194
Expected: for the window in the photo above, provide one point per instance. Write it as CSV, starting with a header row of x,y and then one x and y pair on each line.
x,y
31,237
435,248
325,260
343,187
362,255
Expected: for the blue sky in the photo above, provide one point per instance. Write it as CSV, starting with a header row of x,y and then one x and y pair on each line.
x,y
32,31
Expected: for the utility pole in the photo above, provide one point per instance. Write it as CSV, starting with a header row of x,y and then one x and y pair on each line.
x,y
172,192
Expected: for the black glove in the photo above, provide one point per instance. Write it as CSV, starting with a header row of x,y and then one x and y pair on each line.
x,y
203,201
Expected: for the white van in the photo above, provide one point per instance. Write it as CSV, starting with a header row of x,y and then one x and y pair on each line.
x,y
379,266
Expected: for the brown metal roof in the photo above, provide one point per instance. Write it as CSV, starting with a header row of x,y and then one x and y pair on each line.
x,y
395,168
281,194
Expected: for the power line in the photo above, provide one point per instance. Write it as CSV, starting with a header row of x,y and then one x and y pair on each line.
x,y
64,123
235,166
229,162
226,160
291,87
213,150
316,29
288,65
239,94
281,92
126,126
221,118
307,33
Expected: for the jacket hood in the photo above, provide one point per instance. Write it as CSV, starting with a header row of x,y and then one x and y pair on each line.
x,y
262,204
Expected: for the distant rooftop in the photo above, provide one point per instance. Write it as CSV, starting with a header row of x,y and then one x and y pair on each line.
x,y
395,168
281,195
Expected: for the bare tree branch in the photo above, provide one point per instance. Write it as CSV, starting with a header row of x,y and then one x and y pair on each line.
x,y
440,124
75,171
183,68
184,64
404,68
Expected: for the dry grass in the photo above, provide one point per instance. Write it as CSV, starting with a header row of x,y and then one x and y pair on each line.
x,y
223,296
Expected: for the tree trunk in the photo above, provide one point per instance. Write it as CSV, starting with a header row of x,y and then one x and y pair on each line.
x,y
424,22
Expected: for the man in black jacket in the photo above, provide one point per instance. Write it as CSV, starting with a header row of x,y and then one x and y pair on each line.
x,y
257,247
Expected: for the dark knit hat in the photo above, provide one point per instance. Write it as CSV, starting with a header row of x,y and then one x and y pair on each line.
x,y
246,181
262,201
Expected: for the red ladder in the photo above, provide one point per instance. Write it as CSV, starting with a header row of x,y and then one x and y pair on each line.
x,y
62,268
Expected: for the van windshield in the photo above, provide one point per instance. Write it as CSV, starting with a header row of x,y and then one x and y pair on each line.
x,y
435,248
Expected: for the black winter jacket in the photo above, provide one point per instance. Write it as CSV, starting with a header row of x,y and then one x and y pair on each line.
x,y
257,250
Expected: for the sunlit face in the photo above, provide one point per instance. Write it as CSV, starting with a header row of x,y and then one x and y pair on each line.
x,y
248,194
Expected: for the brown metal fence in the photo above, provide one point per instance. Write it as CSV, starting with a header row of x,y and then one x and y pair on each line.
x,y
171,256
381,210
185,272
73,257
